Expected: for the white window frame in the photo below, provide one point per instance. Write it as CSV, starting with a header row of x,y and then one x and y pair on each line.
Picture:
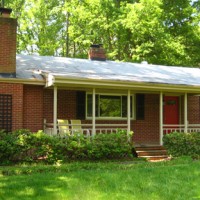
x,y
111,118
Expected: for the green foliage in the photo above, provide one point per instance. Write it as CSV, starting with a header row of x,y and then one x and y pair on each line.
x,y
114,145
158,31
183,144
24,146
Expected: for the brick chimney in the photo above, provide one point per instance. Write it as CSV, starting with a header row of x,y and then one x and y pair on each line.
x,y
97,52
8,27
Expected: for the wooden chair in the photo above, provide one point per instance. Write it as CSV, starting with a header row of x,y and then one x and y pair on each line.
x,y
76,127
63,127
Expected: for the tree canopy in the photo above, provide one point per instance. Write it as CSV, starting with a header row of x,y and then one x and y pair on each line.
x,y
158,31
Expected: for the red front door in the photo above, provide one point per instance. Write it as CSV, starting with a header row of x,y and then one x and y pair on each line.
x,y
171,110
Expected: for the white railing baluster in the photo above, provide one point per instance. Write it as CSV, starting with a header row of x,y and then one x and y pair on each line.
x,y
167,128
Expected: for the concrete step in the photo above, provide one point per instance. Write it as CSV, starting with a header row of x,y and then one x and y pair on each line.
x,y
149,148
152,153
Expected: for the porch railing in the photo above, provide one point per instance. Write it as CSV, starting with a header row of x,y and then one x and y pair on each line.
x,y
168,128
85,128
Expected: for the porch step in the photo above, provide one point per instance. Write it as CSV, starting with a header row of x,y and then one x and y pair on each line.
x,y
152,153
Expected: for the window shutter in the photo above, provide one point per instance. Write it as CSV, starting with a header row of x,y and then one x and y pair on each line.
x,y
124,106
140,106
80,104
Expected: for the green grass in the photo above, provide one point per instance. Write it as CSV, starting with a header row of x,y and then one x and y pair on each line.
x,y
178,179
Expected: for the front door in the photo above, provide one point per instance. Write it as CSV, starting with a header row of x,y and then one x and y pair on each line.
x,y
171,110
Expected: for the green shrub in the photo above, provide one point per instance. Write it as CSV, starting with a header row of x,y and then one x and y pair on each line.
x,y
6,147
108,146
24,146
182,144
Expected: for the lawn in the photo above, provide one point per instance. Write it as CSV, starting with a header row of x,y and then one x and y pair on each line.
x,y
178,179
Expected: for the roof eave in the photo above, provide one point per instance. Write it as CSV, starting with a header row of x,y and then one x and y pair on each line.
x,y
23,81
113,84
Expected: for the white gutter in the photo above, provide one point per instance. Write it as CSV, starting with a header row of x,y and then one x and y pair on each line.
x,y
23,81
81,82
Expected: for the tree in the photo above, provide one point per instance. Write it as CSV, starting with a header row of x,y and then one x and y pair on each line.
x,y
181,19
158,31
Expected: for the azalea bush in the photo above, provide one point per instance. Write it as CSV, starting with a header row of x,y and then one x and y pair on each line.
x,y
24,146
182,144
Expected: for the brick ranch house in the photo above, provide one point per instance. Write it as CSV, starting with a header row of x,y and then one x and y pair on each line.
x,y
150,100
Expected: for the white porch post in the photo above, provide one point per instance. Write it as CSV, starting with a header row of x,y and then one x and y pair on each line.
x,y
93,111
185,113
129,111
161,118
55,110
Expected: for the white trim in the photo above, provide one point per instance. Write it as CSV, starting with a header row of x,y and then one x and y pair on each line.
x,y
55,110
23,81
185,113
161,118
85,82
109,118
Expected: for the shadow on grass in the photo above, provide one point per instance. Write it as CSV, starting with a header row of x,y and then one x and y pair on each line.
x,y
153,181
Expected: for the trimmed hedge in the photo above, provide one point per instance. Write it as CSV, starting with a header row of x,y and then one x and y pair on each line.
x,y
24,146
182,144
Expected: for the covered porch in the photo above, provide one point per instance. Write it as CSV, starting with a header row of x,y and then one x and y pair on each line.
x,y
148,128
96,110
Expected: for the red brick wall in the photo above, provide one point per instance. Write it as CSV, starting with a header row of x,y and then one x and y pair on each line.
x,y
147,130
27,105
8,45
16,90
48,105
66,104
33,107
193,110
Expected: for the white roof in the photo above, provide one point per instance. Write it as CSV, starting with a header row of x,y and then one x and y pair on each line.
x,y
30,66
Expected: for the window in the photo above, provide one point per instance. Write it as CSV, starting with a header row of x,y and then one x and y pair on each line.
x,y
6,112
108,106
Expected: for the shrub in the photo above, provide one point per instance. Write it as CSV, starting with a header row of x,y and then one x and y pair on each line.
x,y
24,146
108,146
182,144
